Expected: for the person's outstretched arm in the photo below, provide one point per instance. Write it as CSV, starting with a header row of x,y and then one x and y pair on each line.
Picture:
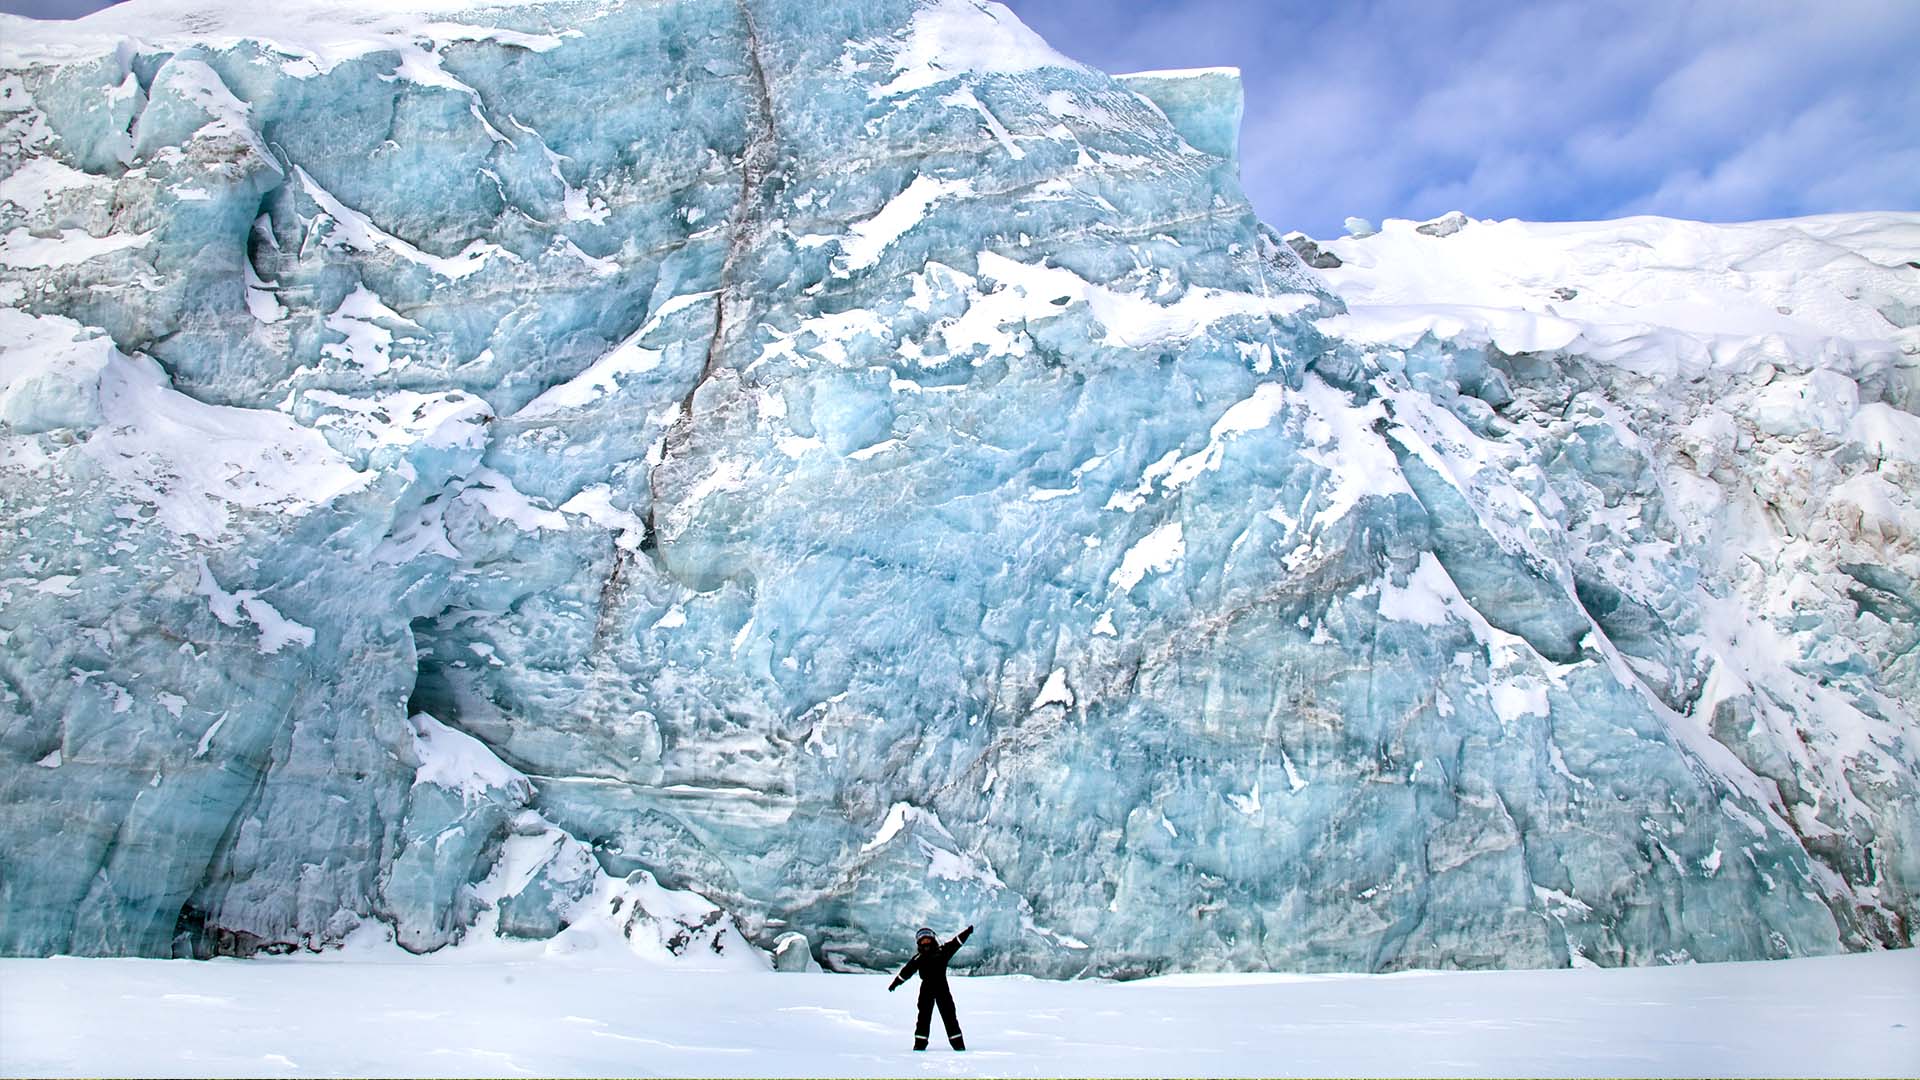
x,y
954,945
906,973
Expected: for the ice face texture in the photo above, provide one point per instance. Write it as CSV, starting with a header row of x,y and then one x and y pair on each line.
x,y
828,468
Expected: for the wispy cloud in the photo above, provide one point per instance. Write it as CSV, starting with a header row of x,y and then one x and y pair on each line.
x,y
1549,110
53,9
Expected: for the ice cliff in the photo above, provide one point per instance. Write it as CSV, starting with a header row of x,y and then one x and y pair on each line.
x,y
711,469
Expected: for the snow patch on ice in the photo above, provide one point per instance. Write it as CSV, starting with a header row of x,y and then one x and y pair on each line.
x,y
1157,552
1054,692
276,630
460,763
21,250
867,239
949,38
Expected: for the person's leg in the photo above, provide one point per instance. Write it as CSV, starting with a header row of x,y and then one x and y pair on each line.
x,y
951,1021
924,1022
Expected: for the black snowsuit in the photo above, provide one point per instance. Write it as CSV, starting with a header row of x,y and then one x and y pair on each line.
x,y
931,965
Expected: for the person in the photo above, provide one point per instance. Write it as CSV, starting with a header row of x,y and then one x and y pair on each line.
x,y
930,963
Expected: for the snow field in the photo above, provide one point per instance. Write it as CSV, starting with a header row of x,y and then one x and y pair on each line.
x,y
957,463
1853,1015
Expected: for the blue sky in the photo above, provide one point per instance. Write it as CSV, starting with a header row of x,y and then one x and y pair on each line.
x,y
1722,110
1555,110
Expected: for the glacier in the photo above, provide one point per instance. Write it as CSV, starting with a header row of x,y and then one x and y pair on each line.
x,y
746,478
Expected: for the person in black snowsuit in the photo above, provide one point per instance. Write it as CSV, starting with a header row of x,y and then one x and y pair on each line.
x,y
930,963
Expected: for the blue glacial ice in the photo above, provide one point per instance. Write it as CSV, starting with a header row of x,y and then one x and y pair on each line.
x,y
764,475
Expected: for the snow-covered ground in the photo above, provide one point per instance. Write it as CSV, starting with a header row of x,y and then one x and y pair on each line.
x,y
1853,1015
1653,296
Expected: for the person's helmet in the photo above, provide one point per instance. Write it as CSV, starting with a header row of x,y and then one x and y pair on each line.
x,y
925,933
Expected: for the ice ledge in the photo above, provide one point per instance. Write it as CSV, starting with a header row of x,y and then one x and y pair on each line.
x,y
1203,104
1182,73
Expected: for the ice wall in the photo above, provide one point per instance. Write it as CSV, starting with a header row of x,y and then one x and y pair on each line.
x,y
525,465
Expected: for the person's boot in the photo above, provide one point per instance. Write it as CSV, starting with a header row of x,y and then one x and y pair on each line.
x,y
959,1041
919,1042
